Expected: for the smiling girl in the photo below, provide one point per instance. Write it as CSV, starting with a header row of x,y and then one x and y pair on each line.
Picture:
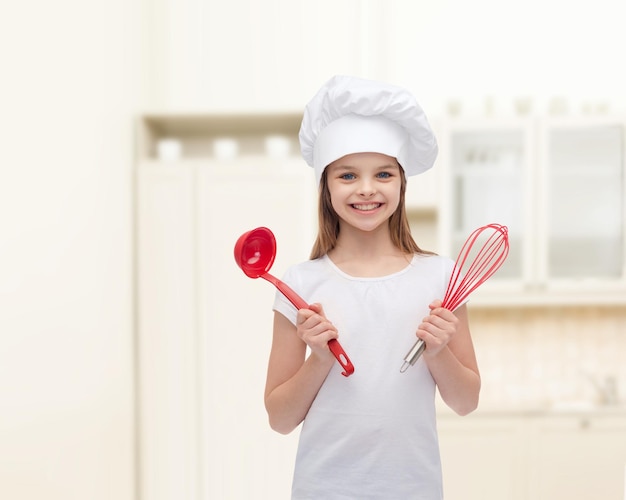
x,y
372,435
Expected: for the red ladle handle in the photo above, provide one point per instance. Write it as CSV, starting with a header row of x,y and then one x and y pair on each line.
x,y
299,303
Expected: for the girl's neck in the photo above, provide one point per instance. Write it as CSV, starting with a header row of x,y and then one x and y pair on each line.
x,y
364,254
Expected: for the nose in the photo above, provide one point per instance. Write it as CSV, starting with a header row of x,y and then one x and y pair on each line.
x,y
366,188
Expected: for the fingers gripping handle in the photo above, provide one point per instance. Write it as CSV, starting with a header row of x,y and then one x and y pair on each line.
x,y
333,344
341,356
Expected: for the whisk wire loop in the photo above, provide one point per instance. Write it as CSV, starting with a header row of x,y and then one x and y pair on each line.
x,y
487,261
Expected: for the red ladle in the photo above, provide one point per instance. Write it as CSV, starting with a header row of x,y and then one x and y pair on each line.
x,y
255,252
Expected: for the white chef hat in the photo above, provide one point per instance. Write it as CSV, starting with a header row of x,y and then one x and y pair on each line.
x,y
352,115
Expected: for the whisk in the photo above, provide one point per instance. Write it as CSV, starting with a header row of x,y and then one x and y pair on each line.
x,y
487,261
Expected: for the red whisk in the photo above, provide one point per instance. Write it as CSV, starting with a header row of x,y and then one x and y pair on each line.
x,y
487,261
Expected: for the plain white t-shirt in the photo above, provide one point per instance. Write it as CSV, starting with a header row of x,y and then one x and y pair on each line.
x,y
372,435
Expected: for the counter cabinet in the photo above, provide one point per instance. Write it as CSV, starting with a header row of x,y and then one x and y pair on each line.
x,y
540,456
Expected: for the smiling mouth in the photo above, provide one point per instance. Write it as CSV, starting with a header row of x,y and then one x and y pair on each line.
x,y
366,206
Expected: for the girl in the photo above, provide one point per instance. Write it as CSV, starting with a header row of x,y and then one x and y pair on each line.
x,y
371,435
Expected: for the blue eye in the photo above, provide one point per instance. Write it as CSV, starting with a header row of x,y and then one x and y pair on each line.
x,y
384,175
347,177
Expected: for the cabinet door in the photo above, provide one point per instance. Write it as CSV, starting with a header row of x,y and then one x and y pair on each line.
x,y
205,329
167,336
482,457
578,458
235,319
488,182
583,194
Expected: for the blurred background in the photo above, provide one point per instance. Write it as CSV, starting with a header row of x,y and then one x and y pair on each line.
x,y
141,137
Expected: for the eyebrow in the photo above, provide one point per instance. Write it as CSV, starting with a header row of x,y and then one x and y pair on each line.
x,y
348,166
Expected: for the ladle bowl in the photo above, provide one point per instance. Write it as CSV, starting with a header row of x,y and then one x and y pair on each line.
x,y
255,252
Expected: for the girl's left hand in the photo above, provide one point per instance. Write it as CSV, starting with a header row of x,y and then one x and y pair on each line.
x,y
437,329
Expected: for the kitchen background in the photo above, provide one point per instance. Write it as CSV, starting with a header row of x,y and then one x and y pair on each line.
x,y
133,351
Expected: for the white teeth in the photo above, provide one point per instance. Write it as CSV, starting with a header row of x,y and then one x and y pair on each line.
x,y
369,206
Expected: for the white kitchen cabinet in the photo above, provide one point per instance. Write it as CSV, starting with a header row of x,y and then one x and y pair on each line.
x,y
533,456
235,320
167,337
422,201
578,457
558,185
481,457
582,194
487,178
204,328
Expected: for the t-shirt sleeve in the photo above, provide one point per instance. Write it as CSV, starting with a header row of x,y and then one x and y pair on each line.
x,y
281,303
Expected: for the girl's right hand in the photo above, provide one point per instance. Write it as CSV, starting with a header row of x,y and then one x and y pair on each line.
x,y
316,330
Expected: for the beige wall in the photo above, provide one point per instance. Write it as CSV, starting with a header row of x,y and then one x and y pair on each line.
x,y
67,98
486,54
541,357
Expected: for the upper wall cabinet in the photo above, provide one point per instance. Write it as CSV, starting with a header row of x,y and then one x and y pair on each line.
x,y
559,187
583,198
558,184
487,180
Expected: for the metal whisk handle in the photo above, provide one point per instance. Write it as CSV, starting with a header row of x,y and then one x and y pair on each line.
x,y
413,355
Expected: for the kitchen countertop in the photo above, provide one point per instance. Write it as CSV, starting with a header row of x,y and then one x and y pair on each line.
x,y
561,408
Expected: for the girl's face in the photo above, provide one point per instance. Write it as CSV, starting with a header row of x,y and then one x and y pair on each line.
x,y
364,189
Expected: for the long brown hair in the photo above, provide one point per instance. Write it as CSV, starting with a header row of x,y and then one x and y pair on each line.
x,y
328,223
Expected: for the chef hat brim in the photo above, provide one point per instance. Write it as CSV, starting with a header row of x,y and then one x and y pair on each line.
x,y
352,115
